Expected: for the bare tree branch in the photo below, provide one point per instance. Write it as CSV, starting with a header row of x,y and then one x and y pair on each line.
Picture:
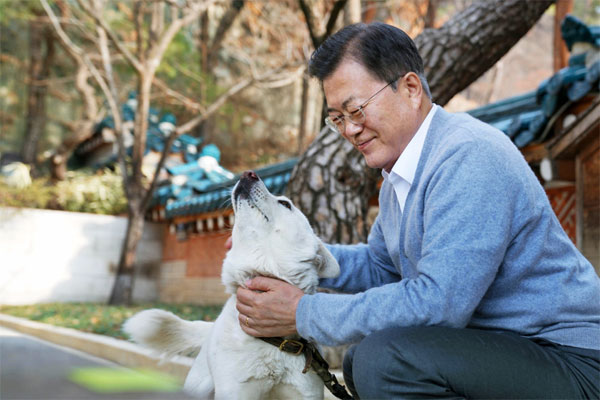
x,y
113,37
184,100
224,24
191,124
317,37
310,23
76,52
157,25
105,53
138,19
338,6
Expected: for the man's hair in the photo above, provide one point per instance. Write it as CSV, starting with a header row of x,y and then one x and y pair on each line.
x,y
385,51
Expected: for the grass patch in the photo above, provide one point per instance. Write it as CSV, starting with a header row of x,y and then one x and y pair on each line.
x,y
100,318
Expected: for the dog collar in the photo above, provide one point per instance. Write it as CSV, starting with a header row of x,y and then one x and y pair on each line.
x,y
314,359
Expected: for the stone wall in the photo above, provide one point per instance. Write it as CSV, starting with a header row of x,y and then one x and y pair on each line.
x,y
56,256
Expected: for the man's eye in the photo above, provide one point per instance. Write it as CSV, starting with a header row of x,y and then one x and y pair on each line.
x,y
356,112
286,204
336,119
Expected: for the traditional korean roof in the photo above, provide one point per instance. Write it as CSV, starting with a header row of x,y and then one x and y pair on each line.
x,y
529,118
160,125
217,196
574,31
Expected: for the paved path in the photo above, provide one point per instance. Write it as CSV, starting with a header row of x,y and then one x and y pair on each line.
x,y
34,369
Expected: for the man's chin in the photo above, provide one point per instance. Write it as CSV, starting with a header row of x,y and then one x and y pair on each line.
x,y
371,162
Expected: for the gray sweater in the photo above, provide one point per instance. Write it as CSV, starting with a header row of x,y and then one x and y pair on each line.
x,y
477,246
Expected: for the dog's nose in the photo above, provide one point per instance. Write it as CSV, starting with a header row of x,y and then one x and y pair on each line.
x,y
250,175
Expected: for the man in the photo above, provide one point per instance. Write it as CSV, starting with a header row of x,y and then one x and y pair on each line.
x,y
468,287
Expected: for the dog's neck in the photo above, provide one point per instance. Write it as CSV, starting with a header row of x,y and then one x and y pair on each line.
x,y
242,275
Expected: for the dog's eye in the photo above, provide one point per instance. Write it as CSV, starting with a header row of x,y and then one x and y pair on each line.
x,y
285,203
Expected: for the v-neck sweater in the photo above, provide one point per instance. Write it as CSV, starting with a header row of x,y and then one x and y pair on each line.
x,y
478,245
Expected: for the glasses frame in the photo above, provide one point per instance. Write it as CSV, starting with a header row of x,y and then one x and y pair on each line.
x,y
358,116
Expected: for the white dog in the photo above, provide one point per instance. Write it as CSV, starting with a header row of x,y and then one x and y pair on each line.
x,y
272,238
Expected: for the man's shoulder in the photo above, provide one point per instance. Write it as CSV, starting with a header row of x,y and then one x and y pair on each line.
x,y
451,131
462,124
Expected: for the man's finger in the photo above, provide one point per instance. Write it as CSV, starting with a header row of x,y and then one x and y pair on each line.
x,y
246,296
262,283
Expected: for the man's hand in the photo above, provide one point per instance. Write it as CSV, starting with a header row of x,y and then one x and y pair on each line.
x,y
267,307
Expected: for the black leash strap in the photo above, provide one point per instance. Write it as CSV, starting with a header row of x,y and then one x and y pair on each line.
x,y
314,359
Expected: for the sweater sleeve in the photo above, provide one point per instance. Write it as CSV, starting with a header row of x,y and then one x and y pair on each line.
x,y
362,266
469,201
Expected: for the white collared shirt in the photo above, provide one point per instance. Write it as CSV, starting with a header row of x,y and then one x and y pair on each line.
x,y
403,172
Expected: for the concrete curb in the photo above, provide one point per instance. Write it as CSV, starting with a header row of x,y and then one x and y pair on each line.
x,y
119,351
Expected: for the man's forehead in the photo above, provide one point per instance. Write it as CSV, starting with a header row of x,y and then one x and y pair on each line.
x,y
347,103
347,84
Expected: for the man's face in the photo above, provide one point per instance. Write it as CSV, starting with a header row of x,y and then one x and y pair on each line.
x,y
391,118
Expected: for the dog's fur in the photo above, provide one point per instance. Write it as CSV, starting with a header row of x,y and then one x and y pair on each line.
x,y
271,238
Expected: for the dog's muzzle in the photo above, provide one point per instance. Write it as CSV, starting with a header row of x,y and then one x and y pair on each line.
x,y
243,188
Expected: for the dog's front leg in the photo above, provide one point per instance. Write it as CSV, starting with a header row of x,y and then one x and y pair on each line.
x,y
199,382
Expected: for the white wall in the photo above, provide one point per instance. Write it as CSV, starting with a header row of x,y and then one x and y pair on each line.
x,y
49,256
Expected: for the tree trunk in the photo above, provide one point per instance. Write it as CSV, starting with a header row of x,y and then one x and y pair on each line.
x,y
304,106
122,290
41,54
335,196
472,41
123,287
332,183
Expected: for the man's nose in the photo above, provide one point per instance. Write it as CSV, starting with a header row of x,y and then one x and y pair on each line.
x,y
351,129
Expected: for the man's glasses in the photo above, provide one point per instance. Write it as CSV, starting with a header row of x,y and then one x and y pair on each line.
x,y
357,117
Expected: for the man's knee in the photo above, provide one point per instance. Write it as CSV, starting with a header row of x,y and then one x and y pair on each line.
x,y
373,363
387,361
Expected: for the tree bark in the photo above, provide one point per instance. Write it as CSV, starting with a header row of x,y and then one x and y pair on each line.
x,y
122,290
332,196
304,105
41,48
470,43
332,183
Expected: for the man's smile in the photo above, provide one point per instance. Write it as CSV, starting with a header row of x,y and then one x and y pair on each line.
x,y
363,144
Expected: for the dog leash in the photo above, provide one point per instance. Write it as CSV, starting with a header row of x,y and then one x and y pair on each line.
x,y
314,359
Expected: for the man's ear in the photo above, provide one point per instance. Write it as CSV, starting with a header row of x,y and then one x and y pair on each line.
x,y
414,87
327,265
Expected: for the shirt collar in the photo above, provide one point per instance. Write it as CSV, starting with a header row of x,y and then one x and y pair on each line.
x,y
406,165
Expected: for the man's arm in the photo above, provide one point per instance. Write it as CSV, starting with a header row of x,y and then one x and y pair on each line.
x,y
362,266
470,202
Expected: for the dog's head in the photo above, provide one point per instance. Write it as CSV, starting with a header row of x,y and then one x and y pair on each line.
x,y
271,237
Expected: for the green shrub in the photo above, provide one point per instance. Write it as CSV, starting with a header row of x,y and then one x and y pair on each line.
x,y
98,193
37,195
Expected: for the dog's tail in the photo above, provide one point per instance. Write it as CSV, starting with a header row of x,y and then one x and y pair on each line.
x,y
166,333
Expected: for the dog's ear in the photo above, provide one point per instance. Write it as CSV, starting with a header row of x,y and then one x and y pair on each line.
x,y
327,265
